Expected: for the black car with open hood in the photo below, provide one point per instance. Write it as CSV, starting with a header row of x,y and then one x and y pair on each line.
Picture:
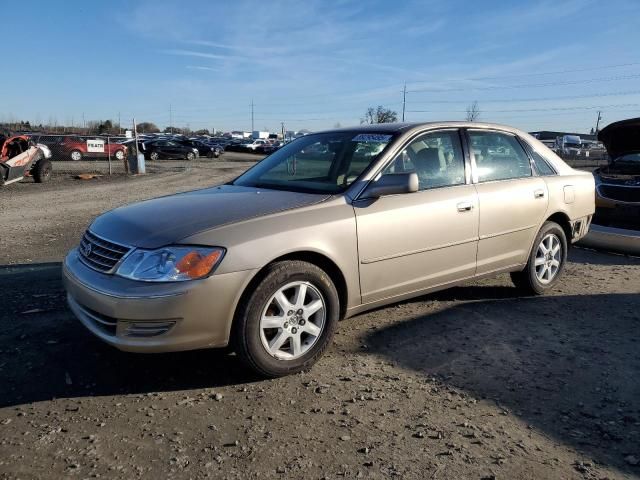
x,y
618,183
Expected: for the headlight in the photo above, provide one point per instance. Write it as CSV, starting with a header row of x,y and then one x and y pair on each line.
x,y
171,264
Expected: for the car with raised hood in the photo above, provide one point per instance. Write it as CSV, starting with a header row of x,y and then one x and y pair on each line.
x,y
328,226
616,223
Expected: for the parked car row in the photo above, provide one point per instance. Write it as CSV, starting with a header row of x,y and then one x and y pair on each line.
x,y
259,145
155,147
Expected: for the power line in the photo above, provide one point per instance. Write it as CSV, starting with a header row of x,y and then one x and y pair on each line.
x,y
537,74
530,85
591,107
536,99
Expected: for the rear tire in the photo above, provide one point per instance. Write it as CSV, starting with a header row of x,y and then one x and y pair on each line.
x,y
41,171
546,261
119,154
154,156
306,332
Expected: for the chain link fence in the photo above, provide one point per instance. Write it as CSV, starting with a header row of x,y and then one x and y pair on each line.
x,y
74,155
100,155
586,159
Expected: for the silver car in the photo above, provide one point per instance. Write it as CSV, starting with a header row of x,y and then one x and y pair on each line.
x,y
332,224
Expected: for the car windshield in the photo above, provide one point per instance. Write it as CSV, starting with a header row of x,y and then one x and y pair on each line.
x,y
317,163
629,158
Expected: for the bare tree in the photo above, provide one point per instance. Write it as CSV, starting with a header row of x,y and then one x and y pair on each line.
x,y
379,115
473,112
147,127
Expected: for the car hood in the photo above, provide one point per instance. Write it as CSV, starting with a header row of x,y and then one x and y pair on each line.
x,y
622,172
165,220
621,138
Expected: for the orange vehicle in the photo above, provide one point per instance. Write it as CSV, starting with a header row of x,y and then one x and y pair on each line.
x,y
20,157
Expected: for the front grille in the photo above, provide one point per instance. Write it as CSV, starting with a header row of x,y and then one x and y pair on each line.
x,y
620,193
100,254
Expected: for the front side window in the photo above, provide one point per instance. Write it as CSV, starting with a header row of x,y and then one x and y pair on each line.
x,y
317,163
436,157
499,156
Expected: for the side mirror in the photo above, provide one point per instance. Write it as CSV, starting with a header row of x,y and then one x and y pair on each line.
x,y
392,184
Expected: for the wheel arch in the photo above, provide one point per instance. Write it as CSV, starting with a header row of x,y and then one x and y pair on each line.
x,y
563,220
320,260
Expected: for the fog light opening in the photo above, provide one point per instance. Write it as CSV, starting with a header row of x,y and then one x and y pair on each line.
x,y
146,329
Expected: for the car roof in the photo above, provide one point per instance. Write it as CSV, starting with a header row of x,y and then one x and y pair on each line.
x,y
393,128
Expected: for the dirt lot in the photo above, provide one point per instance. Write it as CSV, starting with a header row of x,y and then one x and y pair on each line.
x,y
471,383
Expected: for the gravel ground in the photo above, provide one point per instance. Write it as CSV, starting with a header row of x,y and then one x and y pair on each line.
x,y
475,382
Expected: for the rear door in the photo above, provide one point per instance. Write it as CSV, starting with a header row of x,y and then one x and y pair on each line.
x,y
512,199
415,241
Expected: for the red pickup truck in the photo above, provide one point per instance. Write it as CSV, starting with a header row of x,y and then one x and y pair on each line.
x,y
76,148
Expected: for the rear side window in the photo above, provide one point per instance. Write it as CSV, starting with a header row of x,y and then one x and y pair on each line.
x,y
542,166
499,156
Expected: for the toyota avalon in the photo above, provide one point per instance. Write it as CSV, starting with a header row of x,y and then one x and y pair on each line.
x,y
328,226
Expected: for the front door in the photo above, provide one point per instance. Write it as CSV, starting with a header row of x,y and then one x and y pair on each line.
x,y
415,241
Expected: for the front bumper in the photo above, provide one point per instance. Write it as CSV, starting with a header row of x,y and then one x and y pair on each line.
x,y
153,317
612,239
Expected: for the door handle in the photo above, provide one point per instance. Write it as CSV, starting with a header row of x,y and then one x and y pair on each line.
x,y
465,207
538,194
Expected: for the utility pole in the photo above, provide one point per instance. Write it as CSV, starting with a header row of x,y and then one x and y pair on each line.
x,y
171,119
119,125
282,129
83,125
404,99
598,122
252,116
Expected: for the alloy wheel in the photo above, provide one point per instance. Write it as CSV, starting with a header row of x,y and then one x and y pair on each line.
x,y
293,320
548,258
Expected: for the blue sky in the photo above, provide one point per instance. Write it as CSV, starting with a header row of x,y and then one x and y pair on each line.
x,y
315,63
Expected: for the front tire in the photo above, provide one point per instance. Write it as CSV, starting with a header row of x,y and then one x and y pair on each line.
x,y
154,156
546,261
42,171
191,156
288,319
119,154
76,155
